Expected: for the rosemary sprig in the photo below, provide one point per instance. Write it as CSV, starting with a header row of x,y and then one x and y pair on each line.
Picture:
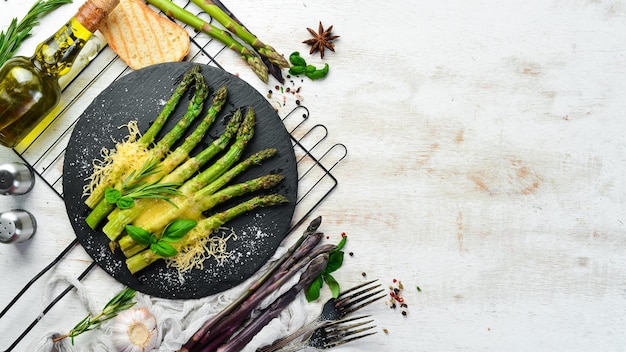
x,y
117,304
134,188
16,33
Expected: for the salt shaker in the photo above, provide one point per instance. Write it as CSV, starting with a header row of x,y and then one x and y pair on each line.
x,y
16,178
16,226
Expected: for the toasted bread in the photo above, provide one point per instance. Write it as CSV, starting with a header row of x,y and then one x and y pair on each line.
x,y
142,37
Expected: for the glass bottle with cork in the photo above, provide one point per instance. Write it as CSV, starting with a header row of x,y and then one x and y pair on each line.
x,y
29,87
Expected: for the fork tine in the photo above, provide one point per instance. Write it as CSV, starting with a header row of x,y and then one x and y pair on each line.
x,y
346,304
344,341
340,300
356,288
338,334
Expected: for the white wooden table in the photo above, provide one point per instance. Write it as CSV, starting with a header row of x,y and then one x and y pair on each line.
x,y
485,165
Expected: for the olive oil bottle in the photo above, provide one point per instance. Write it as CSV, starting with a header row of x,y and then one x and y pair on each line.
x,y
29,87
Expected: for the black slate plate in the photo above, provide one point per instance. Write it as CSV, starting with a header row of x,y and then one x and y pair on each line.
x,y
140,96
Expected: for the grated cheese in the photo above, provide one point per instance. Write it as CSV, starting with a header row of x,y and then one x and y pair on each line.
x,y
126,152
201,248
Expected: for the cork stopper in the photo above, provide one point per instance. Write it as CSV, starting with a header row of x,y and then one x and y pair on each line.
x,y
93,12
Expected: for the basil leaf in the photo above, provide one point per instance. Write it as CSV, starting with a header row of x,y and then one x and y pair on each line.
x,y
177,230
296,59
296,70
317,74
341,243
309,68
332,284
163,249
139,235
313,291
335,259
125,203
112,195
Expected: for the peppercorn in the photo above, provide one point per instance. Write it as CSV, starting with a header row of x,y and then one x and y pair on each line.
x,y
404,312
363,274
351,254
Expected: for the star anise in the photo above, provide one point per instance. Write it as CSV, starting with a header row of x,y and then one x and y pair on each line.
x,y
321,40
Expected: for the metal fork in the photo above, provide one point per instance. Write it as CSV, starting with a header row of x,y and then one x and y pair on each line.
x,y
334,309
334,333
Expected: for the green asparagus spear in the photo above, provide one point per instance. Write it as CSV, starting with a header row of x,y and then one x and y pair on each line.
x,y
182,152
118,171
244,135
240,31
192,208
163,146
115,226
204,228
177,12
272,68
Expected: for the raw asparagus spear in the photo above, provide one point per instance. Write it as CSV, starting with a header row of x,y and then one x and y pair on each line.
x,y
204,228
215,337
117,171
309,239
177,12
243,337
240,31
272,68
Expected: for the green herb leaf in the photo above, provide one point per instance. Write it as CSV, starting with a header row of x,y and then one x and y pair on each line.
x,y
309,68
125,202
332,284
121,301
296,59
335,260
112,195
341,243
296,70
139,235
163,249
313,291
177,230
17,32
317,74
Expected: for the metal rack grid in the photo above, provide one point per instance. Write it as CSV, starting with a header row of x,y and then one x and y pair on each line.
x,y
315,156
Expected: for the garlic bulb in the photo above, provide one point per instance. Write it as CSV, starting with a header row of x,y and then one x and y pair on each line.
x,y
134,330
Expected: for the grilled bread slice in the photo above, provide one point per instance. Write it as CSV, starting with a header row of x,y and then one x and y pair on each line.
x,y
142,37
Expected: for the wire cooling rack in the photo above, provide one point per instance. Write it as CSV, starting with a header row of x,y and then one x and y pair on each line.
x,y
316,156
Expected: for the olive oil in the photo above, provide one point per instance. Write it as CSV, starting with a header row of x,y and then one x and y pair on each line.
x,y
29,87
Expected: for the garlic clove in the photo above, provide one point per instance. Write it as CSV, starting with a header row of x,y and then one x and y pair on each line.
x,y
134,330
